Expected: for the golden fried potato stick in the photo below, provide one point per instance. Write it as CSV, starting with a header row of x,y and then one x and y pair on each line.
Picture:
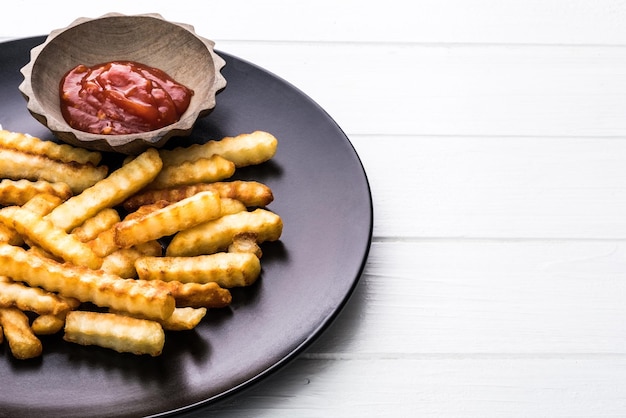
x,y
198,295
60,152
121,333
47,324
226,269
42,204
168,220
33,299
250,193
9,235
122,262
52,239
92,227
112,190
35,249
104,244
243,150
18,192
22,341
229,206
183,319
95,286
209,169
20,165
218,234
246,242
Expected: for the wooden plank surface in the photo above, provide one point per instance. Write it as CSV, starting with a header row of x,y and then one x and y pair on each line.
x,y
496,187
553,387
395,21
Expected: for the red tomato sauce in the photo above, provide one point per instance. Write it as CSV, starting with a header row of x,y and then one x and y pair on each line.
x,y
121,97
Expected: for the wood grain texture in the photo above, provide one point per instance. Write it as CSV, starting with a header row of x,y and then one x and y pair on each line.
x,y
496,187
395,21
440,387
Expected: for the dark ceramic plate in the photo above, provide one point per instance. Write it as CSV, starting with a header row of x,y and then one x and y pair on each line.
x,y
322,194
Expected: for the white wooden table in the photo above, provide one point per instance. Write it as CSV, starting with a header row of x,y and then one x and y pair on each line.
x,y
493,134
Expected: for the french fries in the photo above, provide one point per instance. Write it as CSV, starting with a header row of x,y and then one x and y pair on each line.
x,y
86,285
109,192
250,193
243,150
18,192
121,333
61,152
88,253
199,295
47,324
20,165
226,269
217,235
49,237
183,319
178,216
93,226
33,299
22,340
209,169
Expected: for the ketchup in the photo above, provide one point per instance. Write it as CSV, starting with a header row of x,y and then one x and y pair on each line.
x,y
121,97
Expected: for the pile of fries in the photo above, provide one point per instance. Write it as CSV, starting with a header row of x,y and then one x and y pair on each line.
x,y
82,249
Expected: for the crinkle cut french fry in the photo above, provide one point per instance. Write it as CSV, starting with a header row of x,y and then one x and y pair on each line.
x,y
226,269
101,221
210,169
18,192
121,333
111,191
42,204
172,218
47,324
199,295
243,150
104,244
218,234
33,299
20,165
35,249
246,242
250,193
229,206
60,152
49,237
122,262
22,341
95,286
182,319
9,235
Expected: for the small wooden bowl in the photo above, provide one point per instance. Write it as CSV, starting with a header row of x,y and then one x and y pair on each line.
x,y
148,39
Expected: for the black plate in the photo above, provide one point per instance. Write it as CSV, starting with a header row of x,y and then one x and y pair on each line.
x,y
322,194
